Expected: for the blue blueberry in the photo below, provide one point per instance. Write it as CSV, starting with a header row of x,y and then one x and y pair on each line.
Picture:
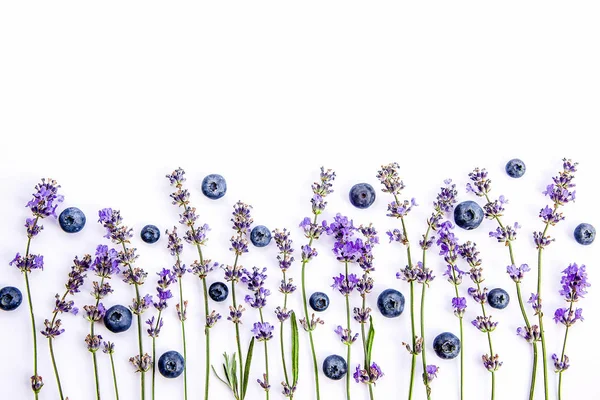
x,y
170,364
71,220
498,298
335,367
446,345
117,319
585,234
260,236
10,298
218,291
390,303
319,301
150,234
214,186
515,168
362,195
468,215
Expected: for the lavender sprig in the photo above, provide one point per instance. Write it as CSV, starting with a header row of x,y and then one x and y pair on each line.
x,y
105,265
392,183
165,279
561,191
54,328
481,186
443,204
468,251
574,284
313,231
196,235
109,348
285,259
43,204
236,378
448,244
120,234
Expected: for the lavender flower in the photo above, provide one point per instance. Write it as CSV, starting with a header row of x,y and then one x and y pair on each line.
x,y
480,296
264,383
400,210
53,328
111,220
94,313
141,363
369,375
506,234
491,363
361,315
480,185
241,218
258,299
288,391
531,334
202,269
312,324
283,314
106,262
213,317
287,287
345,285
495,209
235,314
108,347
460,305
517,273
28,263
574,283
312,230
254,279
324,187
562,364
484,324
284,244
567,316
263,331
345,335
431,371
535,302
308,253
154,326
93,342
390,179
45,199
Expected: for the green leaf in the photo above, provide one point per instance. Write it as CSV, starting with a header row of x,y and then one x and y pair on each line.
x,y
295,352
234,378
218,377
370,338
247,368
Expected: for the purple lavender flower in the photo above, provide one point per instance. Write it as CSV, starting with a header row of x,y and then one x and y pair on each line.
x,y
93,342
480,185
288,391
53,329
287,287
64,306
213,317
574,283
535,302
174,244
531,334
134,276
364,285
94,313
176,178
468,251
551,216
77,274
397,236
154,327
460,305
368,376
263,331
318,204
283,314
233,274
259,298
424,274
308,253
32,227
323,188
254,279
202,269
264,383
29,263
235,315
312,324
505,234
431,371
444,202
141,364
139,306
197,236
567,316
241,218
480,296
36,383
454,274
390,179
106,262
401,210
45,199
517,273
342,228
349,251
491,363
562,364
484,324
361,315
312,230
346,335
239,245
343,285
284,244
188,217
495,209
541,241
111,220
408,274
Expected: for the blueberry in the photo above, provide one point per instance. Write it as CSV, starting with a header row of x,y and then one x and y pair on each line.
x,y
390,303
150,234
260,236
468,215
214,186
71,220
117,319
335,367
10,298
585,234
170,364
515,168
218,291
446,345
319,301
498,298
362,195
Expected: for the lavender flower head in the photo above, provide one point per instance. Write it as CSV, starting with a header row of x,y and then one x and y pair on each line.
x,y
263,331
343,285
29,263
324,187
431,372
345,335
574,283
174,243
517,273
241,218
368,375
106,262
258,299
390,179
460,305
163,293
111,220
284,244
254,279
480,184
45,199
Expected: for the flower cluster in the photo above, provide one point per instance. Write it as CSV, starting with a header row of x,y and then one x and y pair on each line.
x,y
369,375
44,202
166,278
449,249
75,280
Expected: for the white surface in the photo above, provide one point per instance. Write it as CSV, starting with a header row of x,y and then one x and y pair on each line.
x,y
109,98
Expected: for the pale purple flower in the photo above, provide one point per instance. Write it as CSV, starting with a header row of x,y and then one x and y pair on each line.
x,y
480,185
93,342
239,245
241,218
342,228
460,305
400,210
45,199
506,233
480,296
202,269
574,283
567,316
390,179
345,335
562,364
491,363
361,315
312,230
494,209
259,298
324,186
154,327
263,331
364,284
551,216
52,329
287,287
535,302
29,263
540,240
111,220
174,243
431,371
343,285
397,236
368,375
517,273
531,334
213,317
484,324
33,228
106,262
197,236
308,253
254,279
284,244
264,383
283,314
235,315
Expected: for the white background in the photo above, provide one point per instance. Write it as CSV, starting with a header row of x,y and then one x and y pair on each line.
x,y
109,98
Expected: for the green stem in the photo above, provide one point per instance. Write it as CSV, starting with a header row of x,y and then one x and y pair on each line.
x,y
183,337
95,361
112,364
50,344
365,350
307,319
489,337
562,357
237,332
349,334
33,329
266,355
413,362
154,356
541,316
285,373
523,312
207,345
462,343
423,290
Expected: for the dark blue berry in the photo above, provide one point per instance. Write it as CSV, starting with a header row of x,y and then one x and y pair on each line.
x,y
71,220
117,319
515,168
335,367
319,301
10,298
218,291
446,345
468,215
170,364
150,234
214,186
260,236
585,234
362,195
390,303
498,298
